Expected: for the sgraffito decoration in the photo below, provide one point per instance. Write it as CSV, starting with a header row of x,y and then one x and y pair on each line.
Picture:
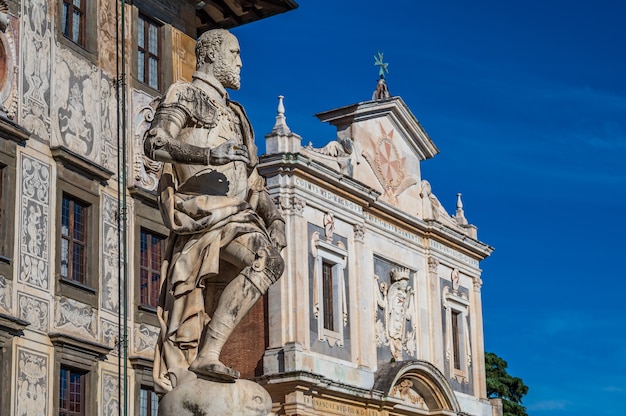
x,y
31,383
34,245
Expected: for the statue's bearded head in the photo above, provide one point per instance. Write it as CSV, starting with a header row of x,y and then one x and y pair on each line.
x,y
220,50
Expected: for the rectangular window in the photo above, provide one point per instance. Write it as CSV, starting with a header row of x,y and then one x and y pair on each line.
x,y
73,239
148,402
148,50
151,256
327,295
456,339
73,21
71,392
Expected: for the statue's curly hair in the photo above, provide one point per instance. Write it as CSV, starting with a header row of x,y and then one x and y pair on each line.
x,y
208,45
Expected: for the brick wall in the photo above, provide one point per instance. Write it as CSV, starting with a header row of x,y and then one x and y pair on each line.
x,y
244,350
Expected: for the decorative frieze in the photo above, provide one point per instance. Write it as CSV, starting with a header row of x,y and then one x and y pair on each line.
x,y
31,381
35,230
110,394
6,294
75,108
8,58
34,310
35,67
75,317
109,299
108,334
146,172
107,36
145,338
108,124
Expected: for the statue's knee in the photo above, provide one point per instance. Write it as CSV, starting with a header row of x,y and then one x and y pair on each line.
x,y
269,261
266,269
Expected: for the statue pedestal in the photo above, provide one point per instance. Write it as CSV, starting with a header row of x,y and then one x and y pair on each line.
x,y
203,397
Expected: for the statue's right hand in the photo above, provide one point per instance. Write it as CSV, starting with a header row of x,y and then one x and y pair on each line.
x,y
229,151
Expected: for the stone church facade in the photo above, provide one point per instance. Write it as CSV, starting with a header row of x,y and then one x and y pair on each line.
x,y
384,315
379,309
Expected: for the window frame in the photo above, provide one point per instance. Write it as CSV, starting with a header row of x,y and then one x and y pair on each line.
x,y
152,287
459,355
72,241
143,368
83,356
328,296
144,23
8,200
150,401
67,24
88,39
82,377
147,217
456,338
165,70
336,257
82,183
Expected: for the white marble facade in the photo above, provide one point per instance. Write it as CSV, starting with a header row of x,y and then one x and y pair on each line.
x,y
360,205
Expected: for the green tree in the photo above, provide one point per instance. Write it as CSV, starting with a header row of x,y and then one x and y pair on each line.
x,y
500,384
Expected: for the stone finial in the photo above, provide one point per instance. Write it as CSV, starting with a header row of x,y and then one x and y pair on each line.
x,y
281,121
460,214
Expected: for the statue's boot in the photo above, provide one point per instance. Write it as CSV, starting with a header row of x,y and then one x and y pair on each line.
x,y
235,301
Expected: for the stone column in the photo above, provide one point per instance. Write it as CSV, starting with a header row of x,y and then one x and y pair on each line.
x,y
480,382
435,308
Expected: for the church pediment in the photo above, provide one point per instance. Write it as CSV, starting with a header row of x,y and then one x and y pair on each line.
x,y
383,143
397,116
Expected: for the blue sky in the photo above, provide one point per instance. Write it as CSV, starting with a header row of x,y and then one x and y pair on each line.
x,y
526,102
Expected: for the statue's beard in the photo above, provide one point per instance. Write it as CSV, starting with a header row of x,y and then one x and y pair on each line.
x,y
228,76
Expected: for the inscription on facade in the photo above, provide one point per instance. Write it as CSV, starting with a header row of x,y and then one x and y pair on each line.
x,y
453,253
393,229
349,205
335,408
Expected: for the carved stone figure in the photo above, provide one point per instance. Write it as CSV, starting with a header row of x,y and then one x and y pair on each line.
x,y
396,303
225,230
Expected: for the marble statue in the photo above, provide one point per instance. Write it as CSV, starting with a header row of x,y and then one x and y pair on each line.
x,y
225,231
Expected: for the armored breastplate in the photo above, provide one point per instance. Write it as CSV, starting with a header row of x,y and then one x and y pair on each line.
x,y
229,179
